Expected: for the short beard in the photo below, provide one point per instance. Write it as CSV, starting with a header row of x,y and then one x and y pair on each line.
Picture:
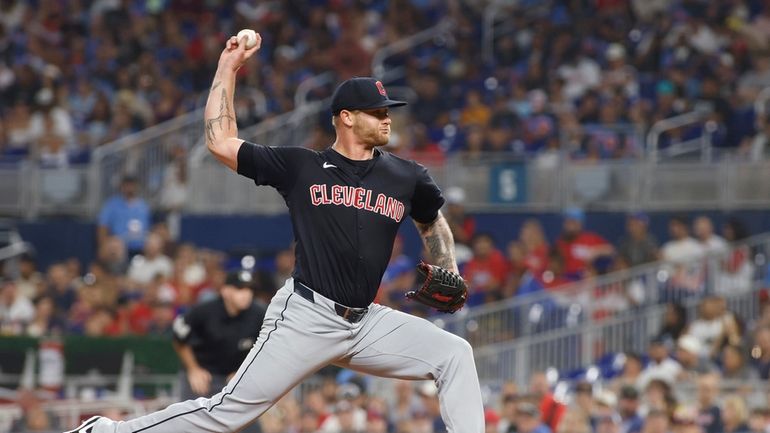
x,y
369,137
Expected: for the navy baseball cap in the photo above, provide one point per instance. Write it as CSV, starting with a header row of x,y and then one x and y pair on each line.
x,y
241,279
361,93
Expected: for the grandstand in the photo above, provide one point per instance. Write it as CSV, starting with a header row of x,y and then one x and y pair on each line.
x,y
605,165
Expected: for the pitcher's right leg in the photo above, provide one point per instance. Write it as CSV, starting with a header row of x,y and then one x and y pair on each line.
x,y
286,352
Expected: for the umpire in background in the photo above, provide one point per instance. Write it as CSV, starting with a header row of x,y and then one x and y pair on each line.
x,y
213,337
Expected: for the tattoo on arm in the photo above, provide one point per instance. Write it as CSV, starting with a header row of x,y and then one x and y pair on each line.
x,y
224,114
438,238
214,87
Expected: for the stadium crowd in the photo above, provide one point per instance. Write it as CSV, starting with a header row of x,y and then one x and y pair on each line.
x,y
142,278
580,77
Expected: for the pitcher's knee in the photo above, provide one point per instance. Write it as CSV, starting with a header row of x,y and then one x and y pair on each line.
x,y
461,349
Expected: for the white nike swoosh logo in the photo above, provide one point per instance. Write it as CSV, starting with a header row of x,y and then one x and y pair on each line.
x,y
327,165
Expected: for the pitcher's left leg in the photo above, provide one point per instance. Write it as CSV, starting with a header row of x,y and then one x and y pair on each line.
x,y
398,345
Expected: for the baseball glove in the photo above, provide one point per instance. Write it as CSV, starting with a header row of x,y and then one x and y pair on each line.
x,y
439,288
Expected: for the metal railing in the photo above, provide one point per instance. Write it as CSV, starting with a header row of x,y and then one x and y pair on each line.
x,y
146,155
569,327
701,144
493,183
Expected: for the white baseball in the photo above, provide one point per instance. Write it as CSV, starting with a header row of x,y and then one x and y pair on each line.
x,y
251,37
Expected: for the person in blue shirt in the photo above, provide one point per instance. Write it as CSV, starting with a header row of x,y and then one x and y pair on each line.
x,y
126,216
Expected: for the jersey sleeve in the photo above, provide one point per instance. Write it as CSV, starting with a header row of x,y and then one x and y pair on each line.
x,y
270,165
427,198
185,326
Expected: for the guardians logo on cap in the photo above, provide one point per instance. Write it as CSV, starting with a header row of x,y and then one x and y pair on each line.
x,y
361,93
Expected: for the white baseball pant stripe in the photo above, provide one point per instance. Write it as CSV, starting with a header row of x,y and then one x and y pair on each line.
x,y
298,337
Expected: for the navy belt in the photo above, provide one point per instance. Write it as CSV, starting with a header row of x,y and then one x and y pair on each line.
x,y
352,315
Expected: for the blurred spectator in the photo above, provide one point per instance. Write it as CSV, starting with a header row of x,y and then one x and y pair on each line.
x,y
35,418
349,414
161,319
284,266
125,215
685,419
619,77
308,422
52,130
658,396
45,322
660,365
475,111
144,267
758,420
510,398
630,373
528,419
486,271
710,415
760,353
657,421
516,268
575,420
737,269
674,324
681,247
30,281
112,255
428,393
735,366
709,326
579,247
535,244
18,131
491,420
638,246
406,403
628,409
422,148
550,409
463,225
60,289
682,252
15,310
735,415
704,233
580,73
173,193
690,355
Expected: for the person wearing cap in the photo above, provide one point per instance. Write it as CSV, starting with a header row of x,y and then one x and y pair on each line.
x,y
213,337
346,204
688,353
528,419
638,246
349,415
580,247
125,215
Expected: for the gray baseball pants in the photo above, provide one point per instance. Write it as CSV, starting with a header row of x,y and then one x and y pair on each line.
x,y
298,337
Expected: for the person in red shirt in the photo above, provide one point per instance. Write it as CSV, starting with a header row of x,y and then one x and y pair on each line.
x,y
551,410
535,245
579,247
486,271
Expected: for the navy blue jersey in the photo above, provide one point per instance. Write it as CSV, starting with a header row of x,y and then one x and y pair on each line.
x,y
345,214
